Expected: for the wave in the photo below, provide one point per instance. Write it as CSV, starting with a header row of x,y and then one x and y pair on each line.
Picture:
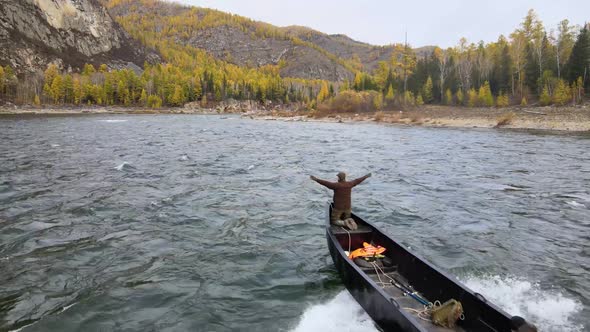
x,y
550,311
125,166
575,204
113,121
583,197
342,313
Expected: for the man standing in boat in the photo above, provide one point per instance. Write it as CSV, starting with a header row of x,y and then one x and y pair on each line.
x,y
341,213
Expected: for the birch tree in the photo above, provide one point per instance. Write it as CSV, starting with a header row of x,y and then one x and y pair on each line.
x,y
442,58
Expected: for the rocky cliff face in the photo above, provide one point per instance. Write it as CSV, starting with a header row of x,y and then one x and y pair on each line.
x,y
246,49
70,33
235,39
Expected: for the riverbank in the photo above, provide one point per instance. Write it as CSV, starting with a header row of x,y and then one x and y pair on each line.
x,y
98,110
541,118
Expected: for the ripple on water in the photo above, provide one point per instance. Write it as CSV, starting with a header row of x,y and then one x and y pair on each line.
x,y
198,223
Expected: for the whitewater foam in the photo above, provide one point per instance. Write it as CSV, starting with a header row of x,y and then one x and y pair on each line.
x,y
550,311
124,166
342,313
67,307
575,204
112,121
22,328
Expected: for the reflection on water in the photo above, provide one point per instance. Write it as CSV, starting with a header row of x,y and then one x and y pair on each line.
x,y
201,223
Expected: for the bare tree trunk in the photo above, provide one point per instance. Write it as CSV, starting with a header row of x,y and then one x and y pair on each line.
x,y
558,66
520,83
442,83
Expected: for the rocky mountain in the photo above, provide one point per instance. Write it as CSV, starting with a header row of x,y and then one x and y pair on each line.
x,y
232,38
366,55
301,52
70,33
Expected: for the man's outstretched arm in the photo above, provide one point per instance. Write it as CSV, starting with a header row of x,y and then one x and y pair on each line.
x,y
361,179
324,183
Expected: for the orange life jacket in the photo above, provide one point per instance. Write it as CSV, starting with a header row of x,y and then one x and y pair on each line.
x,y
367,251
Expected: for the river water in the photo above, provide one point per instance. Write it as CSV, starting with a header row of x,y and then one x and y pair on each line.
x,y
204,223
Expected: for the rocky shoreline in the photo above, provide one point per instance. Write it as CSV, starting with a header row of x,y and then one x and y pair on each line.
x,y
575,119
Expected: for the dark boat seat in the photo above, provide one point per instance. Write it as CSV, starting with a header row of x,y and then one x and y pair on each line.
x,y
362,229
352,238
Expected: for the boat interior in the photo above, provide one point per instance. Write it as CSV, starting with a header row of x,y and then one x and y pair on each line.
x,y
416,276
382,274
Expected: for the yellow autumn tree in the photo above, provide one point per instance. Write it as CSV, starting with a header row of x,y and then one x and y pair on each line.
x,y
324,92
56,89
472,97
378,101
403,60
77,91
562,93
177,98
419,100
545,97
427,91
143,98
484,96
502,100
389,97
448,97
154,101
2,80
460,97
409,99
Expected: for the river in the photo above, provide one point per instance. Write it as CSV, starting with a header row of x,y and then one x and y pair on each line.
x,y
209,223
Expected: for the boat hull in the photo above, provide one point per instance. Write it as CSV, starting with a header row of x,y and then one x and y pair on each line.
x,y
383,310
434,284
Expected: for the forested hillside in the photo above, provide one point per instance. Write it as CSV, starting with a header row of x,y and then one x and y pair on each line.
x,y
207,55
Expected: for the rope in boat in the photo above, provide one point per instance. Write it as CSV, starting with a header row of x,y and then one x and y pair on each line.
x,y
398,284
428,307
381,283
425,313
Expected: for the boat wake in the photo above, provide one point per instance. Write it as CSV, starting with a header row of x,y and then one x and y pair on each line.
x,y
342,313
551,311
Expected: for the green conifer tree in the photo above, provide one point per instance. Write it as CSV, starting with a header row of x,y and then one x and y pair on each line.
x,y
579,62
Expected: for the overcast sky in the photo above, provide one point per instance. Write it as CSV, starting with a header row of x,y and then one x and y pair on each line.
x,y
428,22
